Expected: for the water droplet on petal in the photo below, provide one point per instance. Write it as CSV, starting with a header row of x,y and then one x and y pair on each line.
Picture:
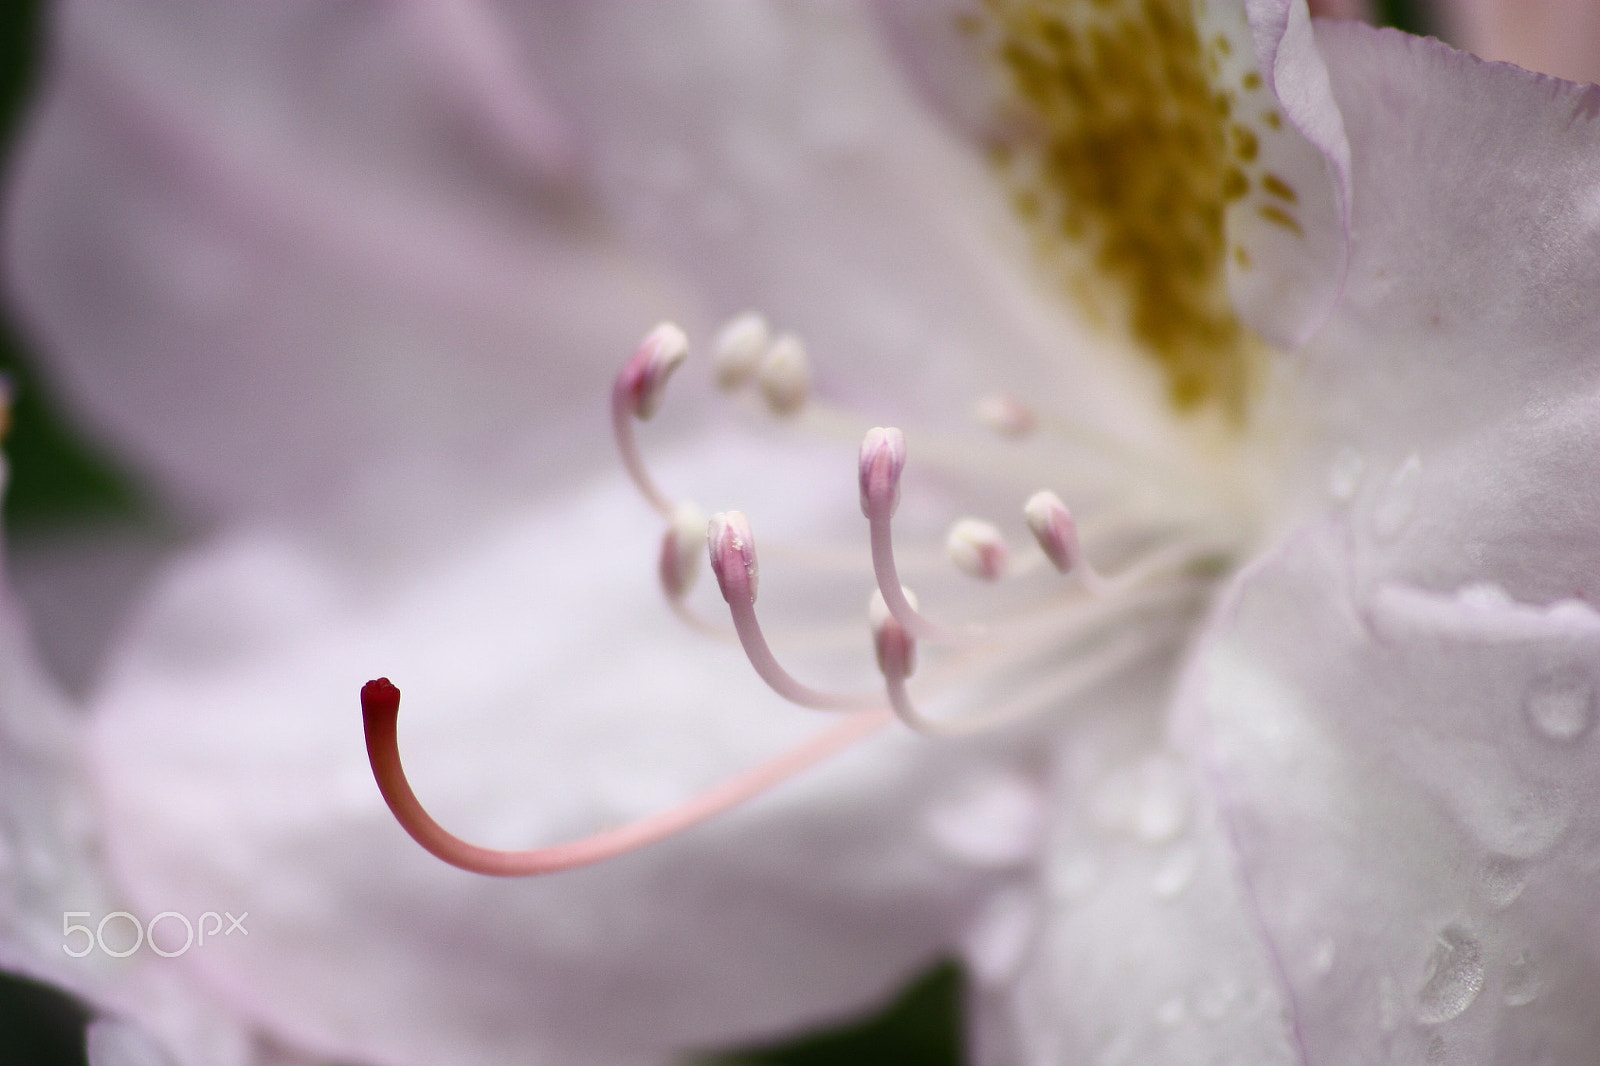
x,y
998,941
1176,872
1172,1012
1398,501
1344,474
1322,956
1151,799
1524,981
1561,708
1502,879
1212,1002
1454,976
988,821
1073,877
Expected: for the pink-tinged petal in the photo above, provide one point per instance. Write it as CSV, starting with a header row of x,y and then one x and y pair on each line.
x,y
1139,944
1560,37
1476,245
273,251
1410,782
546,696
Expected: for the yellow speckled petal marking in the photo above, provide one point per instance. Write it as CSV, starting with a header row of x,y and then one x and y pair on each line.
x,y
1141,124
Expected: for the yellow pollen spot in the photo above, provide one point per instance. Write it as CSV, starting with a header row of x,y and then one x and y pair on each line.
x,y
1273,120
1251,81
1278,216
1241,255
1124,173
1278,187
1245,145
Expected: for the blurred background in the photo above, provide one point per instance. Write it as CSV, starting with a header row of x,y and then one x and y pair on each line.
x,y
65,485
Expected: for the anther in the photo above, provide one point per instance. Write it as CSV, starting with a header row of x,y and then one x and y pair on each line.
x,y
643,382
637,394
680,550
785,376
733,559
1053,527
896,649
978,549
380,711
732,547
738,349
1007,416
883,458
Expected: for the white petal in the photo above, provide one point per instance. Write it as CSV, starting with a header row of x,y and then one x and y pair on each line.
x,y
270,249
546,695
1409,779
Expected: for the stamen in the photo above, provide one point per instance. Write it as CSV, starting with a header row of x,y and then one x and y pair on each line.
x,y
896,649
679,565
738,349
785,376
1057,533
882,460
380,712
1007,416
733,559
978,549
637,394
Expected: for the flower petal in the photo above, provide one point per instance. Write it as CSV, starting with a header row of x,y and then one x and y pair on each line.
x,y
1408,778
1143,947
545,698
273,250
1476,244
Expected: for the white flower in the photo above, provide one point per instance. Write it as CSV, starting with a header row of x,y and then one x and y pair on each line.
x,y
1339,811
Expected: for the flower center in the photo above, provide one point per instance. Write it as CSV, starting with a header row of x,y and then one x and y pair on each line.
x,y
1133,133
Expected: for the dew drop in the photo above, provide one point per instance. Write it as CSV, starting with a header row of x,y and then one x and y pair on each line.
x,y
1560,708
1172,1012
1175,873
1344,474
993,821
1502,879
1213,1001
1524,981
997,943
1322,956
1073,877
1454,976
1398,502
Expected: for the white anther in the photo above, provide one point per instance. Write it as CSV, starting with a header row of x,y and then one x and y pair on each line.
x,y
738,350
680,550
883,458
895,648
644,380
732,547
1007,416
978,549
785,376
1053,527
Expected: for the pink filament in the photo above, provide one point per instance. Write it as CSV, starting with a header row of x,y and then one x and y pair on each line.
x,y
380,711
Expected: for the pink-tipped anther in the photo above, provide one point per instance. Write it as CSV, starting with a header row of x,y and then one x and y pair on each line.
x,y
1053,527
732,547
380,711
883,458
643,382
896,649
680,550
978,549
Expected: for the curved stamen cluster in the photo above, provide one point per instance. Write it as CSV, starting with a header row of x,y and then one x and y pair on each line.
x,y
1071,617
